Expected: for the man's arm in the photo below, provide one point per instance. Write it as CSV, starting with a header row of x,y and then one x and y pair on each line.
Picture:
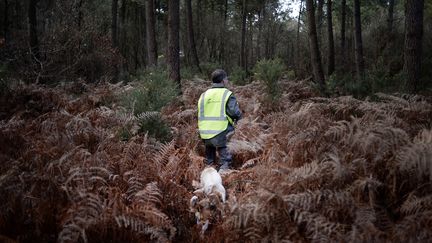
x,y
233,109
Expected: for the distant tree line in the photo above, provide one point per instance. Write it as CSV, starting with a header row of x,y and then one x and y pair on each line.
x,y
52,40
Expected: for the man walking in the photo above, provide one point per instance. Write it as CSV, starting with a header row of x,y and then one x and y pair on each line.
x,y
218,110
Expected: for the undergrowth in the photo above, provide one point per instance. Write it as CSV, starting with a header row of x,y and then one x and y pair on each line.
x,y
319,169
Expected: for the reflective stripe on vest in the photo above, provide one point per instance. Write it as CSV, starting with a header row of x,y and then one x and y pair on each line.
x,y
212,118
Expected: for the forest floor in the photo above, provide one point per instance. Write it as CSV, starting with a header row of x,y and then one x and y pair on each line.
x,y
307,169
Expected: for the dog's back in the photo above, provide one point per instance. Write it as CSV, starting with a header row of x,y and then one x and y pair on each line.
x,y
211,182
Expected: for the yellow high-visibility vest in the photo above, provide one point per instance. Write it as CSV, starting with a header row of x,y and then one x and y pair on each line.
x,y
212,117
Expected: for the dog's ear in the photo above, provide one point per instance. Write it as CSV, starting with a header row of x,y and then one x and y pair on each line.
x,y
193,201
204,203
220,191
199,193
214,197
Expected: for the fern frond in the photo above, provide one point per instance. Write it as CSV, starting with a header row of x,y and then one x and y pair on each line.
x,y
415,205
166,150
150,194
147,115
414,228
424,136
141,227
416,158
136,184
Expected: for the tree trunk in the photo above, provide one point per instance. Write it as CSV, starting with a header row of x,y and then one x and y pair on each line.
x,y
298,40
343,38
331,53
249,43
6,19
390,16
258,46
314,48
150,30
173,41
32,20
79,17
413,43
114,7
122,35
320,20
358,41
243,38
191,36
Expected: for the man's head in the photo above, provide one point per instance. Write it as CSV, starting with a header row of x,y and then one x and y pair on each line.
x,y
218,76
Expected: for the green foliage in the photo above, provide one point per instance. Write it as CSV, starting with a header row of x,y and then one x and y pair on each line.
x,y
188,72
290,75
346,84
238,76
152,91
155,127
376,80
208,67
124,134
269,72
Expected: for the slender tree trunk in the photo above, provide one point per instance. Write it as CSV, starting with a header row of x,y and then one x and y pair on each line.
x,y
173,41
343,37
320,20
122,35
222,58
191,36
79,17
358,41
114,7
258,47
150,30
413,42
314,48
33,36
6,19
199,36
390,16
331,53
243,38
298,40
249,43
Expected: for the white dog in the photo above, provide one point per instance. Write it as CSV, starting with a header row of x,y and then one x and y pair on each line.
x,y
211,182
208,197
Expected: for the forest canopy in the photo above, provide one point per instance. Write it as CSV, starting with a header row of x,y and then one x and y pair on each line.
x,y
379,42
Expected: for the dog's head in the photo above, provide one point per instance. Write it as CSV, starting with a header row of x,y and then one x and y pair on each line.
x,y
205,208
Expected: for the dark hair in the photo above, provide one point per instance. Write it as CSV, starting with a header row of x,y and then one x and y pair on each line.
x,y
218,75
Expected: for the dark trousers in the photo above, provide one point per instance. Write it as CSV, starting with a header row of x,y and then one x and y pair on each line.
x,y
218,143
224,154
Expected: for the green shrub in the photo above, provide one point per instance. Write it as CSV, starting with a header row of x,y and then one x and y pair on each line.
x,y
153,124
124,133
208,67
269,72
346,84
238,76
152,91
290,75
376,79
189,72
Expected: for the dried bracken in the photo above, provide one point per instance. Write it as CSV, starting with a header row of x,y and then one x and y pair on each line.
x,y
310,169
